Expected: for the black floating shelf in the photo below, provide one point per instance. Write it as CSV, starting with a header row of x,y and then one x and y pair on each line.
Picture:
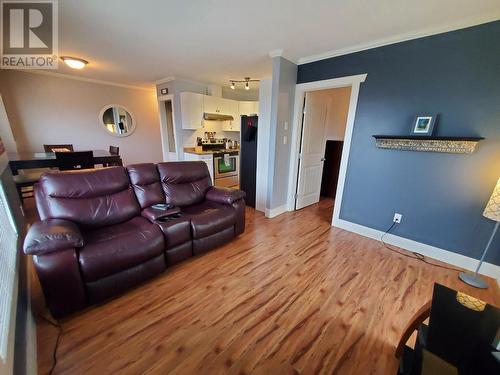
x,y
454,145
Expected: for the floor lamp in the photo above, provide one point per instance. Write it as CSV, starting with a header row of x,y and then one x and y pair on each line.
x,y
492,211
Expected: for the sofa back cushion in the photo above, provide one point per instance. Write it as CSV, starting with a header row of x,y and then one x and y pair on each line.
x,y
89,198
146,183
185,182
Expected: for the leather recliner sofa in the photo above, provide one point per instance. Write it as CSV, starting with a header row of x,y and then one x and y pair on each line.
x,y
99,234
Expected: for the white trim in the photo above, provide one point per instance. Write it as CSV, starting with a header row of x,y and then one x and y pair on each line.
x,y
275,53
402,37
281,53
300,91
175,78
31,337
163,126
90,80
273,212
442,255
164,80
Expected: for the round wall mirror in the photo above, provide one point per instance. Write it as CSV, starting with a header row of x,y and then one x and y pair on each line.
x,y
117,120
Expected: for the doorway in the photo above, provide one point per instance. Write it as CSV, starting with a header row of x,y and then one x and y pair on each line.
x,y
167,128
324,123
312,130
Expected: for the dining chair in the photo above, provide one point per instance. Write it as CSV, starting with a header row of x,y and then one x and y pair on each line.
x,y
114,150
68,161
25,182
58,148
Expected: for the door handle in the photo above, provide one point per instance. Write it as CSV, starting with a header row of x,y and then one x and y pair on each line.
x,y
323,159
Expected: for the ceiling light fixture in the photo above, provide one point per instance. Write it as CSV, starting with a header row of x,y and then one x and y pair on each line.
x,y
246,81
74,62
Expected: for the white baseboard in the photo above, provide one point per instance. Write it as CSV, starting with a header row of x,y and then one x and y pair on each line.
x,y
31,343
273,212
442,255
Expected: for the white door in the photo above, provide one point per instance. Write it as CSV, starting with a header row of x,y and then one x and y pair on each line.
x,y
312,151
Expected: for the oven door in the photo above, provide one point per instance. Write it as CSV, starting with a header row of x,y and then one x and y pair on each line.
x,y
226,167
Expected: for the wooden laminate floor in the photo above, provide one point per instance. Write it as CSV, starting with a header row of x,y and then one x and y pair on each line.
x,y
291,295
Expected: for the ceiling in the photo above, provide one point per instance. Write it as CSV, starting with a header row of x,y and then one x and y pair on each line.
x,y
139,42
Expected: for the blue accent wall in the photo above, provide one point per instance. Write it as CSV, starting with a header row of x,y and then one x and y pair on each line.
x,y
441,196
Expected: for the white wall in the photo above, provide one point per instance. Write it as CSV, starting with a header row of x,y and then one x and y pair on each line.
x,y
284,81
53,109
242,95
189,136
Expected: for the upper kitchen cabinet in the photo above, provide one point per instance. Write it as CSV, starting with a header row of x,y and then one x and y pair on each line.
x,y
214,104
249,108
233,109
191,110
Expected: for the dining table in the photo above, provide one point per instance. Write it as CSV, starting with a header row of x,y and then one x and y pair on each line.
x,y
34,160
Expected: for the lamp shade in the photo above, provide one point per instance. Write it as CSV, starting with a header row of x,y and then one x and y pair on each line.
x,y
492,210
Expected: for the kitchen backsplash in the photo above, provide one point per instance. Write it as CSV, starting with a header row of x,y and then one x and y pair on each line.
x,y
189,136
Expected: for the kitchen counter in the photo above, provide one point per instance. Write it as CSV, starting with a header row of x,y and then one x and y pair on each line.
x,y
192,150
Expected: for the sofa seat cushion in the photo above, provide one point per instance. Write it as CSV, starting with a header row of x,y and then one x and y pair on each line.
x,y
209,217
114,248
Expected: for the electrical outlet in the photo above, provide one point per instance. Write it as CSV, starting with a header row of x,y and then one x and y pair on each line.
x,y
397,218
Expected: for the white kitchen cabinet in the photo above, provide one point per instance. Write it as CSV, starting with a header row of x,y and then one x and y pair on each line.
x,y
191,110
249,108
207,158
214,104
233,110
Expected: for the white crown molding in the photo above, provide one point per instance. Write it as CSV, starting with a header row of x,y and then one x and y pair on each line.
x,y
280,53
84,79
442,255
165,80
275,53
178,78
401,38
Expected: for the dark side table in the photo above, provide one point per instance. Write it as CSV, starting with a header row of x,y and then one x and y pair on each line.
x,y
462,337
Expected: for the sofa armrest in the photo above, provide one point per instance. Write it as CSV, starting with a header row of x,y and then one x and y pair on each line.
x,y
224,195
153,214
61,281
51,235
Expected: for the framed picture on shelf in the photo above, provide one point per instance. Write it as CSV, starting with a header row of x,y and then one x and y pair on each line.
x,y
424,125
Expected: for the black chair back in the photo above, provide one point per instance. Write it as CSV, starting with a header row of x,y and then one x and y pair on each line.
x,y
68,161
58,148
114,150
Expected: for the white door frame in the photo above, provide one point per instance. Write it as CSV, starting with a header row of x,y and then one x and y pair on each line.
x,y
300,90
163,125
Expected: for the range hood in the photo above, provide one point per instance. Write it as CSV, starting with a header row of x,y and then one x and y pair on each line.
x,y
217,117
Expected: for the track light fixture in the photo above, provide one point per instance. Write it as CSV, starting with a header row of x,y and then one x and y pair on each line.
x,y
246,81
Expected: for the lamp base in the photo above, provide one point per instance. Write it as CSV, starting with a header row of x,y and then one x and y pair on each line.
x,y
472,279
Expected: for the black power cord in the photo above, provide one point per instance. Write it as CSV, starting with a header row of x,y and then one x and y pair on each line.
x,y
59,334
414,254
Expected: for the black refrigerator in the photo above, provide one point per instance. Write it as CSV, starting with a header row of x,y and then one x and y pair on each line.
x,y
248,157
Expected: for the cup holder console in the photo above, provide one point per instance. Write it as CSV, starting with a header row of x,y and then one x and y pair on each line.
x,y
168,218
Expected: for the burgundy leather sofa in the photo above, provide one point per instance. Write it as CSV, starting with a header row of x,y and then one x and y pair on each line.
x,y
99,235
